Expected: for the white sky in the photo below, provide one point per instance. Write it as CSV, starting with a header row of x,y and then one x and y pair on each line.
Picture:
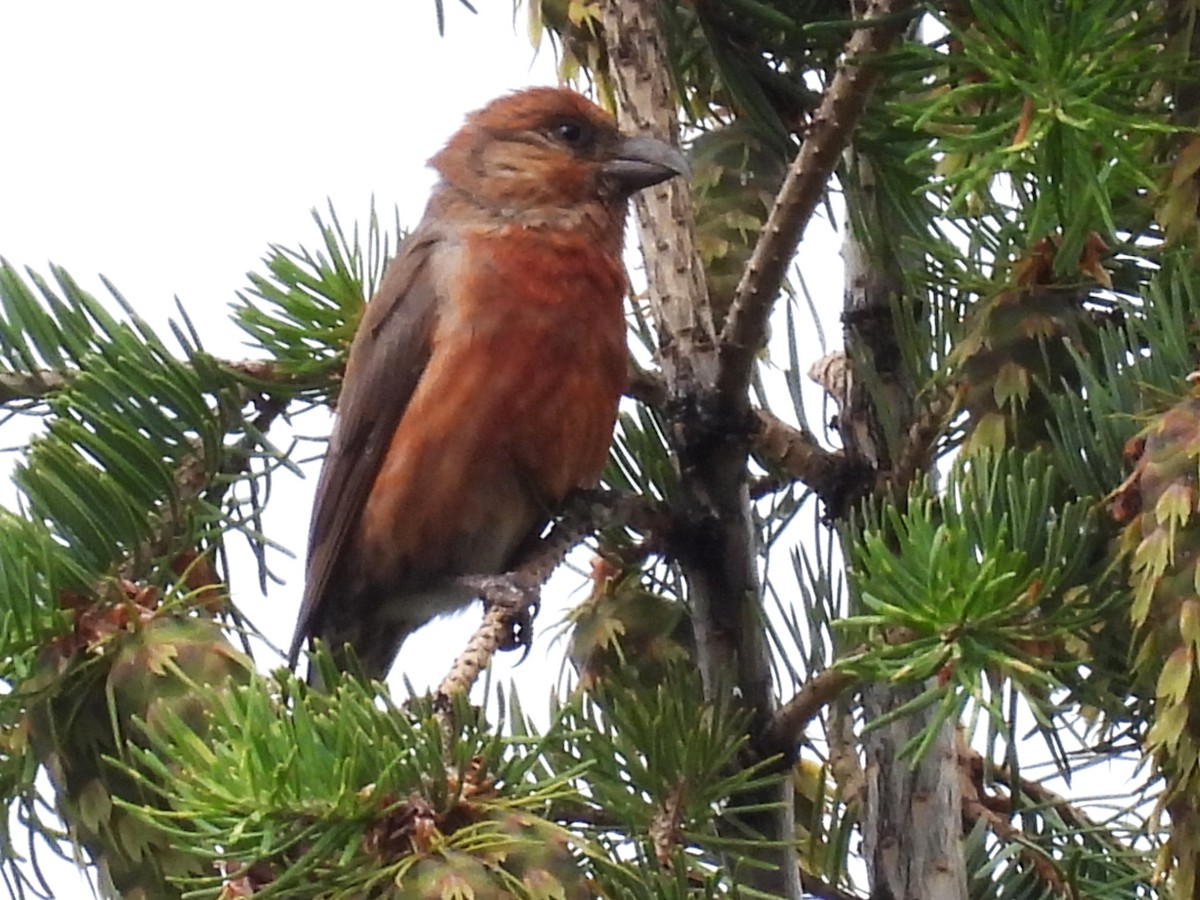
x,y
165,144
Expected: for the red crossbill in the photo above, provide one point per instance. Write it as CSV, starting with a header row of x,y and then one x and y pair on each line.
x,y
483,382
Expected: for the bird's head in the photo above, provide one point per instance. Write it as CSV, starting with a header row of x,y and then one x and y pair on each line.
x,y
550,147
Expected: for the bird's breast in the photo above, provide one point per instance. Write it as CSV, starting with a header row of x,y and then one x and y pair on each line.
x,y
515,408
547,317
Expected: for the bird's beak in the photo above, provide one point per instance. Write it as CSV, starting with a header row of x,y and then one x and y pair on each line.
x,y
644,161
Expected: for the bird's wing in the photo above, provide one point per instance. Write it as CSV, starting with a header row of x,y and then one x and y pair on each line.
x,y
390,351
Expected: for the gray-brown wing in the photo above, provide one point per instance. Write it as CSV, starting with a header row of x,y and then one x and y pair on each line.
x,y
389,353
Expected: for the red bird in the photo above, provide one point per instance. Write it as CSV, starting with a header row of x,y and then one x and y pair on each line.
x,y
483,381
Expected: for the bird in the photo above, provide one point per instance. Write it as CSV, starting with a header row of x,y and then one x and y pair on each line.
x,y
483,380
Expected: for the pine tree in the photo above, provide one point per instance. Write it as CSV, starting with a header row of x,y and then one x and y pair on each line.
x,y
823,655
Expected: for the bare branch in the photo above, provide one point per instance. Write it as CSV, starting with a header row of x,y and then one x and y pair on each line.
x,y
646,102
832,126
830,474
16,386
795,715
666,825
794,450
646,386
920,447
712,533
511,598
973,764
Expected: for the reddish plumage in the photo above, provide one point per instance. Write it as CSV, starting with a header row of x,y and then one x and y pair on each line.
x,y
483,382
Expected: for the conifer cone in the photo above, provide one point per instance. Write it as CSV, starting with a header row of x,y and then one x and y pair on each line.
x,y
125,660
481,846
736,174
624,634
1014,356
1163,543
1178,210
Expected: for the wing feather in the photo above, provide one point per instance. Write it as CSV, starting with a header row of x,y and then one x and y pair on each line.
x,y
387,358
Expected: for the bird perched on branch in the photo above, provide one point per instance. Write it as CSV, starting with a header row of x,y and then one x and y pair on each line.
x,y
483,382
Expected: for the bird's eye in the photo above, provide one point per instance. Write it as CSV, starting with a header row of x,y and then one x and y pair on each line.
x,y
574,134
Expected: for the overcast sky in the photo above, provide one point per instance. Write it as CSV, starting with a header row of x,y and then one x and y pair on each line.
x,y
166,144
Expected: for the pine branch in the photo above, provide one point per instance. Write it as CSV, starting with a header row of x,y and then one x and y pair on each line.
x,y
974,766
833,124
975,808
42,383
192,479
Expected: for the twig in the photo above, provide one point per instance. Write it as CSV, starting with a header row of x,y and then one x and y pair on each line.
x,y
646,387
666,825
511,597
794,716
832,126
926,430
507,600
1041,796
16,386
975,807
828,473
845,765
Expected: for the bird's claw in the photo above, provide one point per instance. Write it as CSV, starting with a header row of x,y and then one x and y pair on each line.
x,y
517,598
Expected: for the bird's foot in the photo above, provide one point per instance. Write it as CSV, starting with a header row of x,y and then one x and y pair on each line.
x,y
517,598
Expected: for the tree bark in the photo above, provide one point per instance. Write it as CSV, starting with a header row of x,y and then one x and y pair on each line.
x,y
713,536
912,820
